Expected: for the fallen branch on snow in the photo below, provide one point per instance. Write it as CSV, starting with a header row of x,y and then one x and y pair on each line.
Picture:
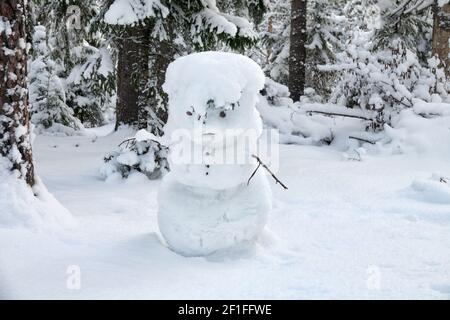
x,y
310,112
362,140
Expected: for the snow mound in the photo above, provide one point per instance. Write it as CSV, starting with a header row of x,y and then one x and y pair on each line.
x,y
434,190
431,108
412,133
58,130
33,208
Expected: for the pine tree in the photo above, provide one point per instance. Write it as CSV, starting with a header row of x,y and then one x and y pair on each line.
x,y
15,144
408,20
48,107
325,31
275,40
324,39
90,86
80,49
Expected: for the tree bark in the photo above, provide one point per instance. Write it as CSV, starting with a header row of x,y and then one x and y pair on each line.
x,y
441,35
132,74
15,142
157,104
142,66
297,52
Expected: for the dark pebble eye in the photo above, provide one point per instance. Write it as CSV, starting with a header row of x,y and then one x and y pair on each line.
x,y
222,114
189,113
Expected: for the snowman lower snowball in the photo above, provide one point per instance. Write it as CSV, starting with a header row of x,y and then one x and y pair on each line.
x,y
206,205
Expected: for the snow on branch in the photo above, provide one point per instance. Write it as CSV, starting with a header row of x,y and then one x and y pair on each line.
x,y
130,12
429,109
214,20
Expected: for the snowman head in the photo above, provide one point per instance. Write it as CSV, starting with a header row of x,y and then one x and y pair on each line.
x,y
213,93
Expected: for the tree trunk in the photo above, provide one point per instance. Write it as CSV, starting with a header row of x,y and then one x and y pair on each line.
x,y
157,104
441,35
132,75
269,30
15,144
142,66
297,52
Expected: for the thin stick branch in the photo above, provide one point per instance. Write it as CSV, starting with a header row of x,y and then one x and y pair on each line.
x,y
260,163
362,140
127,141
253,174
339,115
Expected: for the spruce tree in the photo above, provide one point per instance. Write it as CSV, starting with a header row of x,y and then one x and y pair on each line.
x,y
79,48
48,106
325,31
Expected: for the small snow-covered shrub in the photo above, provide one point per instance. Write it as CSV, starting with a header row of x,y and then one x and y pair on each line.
x,y
142,153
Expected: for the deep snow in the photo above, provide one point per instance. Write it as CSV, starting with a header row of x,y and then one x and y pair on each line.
x,y
344,229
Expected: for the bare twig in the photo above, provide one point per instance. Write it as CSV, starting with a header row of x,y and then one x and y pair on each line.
x,y
354,158
339,115
362,140
127,141
260,163
253,174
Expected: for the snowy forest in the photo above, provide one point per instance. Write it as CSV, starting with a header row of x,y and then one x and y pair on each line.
x,y
224,149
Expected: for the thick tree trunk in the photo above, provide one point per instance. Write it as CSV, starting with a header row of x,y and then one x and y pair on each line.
x,y
15,144
441,35
142,66
297,53
132,75
157,107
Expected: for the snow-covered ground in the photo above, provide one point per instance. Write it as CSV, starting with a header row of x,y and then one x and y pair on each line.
x,y
379,228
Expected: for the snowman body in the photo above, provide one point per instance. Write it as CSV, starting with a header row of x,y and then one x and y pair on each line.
x,y
206,203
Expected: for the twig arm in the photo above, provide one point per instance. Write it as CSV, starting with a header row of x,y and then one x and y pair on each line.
x,y
260,163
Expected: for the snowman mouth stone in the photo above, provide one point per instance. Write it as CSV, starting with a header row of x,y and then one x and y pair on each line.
x,y
208,207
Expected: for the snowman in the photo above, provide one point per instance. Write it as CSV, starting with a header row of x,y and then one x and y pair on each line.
x,y
206,203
